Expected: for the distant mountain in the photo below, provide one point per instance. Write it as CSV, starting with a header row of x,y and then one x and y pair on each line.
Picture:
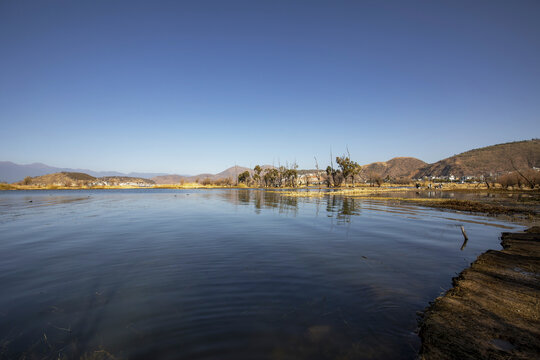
x,y
168,179
493,160
11,172
398,167
231,172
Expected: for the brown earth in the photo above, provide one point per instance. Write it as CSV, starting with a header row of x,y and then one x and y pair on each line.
x,y
493,310
399,167
77,179
490,208
495,159
62,178
168,179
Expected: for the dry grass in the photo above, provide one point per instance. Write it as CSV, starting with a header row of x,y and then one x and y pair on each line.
x,y
6,186
192,185
343,192
57,187
512,208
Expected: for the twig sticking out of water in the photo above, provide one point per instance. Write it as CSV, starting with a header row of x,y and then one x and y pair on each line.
x,y
465,237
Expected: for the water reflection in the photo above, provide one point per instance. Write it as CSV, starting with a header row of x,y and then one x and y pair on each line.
x,y
261,199
344,208
339,207
235,274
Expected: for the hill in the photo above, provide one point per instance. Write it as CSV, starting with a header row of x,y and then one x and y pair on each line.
x,y
231,173
11,172
168,179
82,179
495,159
60,179
398,167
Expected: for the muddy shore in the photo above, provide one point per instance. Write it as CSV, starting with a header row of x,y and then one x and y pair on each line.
x,y
493,309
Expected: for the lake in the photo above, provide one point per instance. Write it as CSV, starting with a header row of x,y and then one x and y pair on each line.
x,y
223,274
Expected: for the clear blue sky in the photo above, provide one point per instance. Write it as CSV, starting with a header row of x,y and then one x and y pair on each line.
x,y
190,87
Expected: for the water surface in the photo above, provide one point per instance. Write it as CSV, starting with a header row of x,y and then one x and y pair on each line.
x,y
228,274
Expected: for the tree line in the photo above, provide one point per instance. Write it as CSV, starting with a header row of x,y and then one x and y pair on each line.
x,y
344,174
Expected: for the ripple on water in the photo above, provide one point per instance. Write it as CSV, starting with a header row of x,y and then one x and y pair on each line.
x,y
223,274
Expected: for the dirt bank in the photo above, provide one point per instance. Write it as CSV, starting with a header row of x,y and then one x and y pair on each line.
x,y
493,310
490,208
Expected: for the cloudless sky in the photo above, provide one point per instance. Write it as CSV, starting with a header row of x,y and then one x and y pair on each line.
x,y
197,86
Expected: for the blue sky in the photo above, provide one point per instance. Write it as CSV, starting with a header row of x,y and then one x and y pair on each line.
x,y
197,86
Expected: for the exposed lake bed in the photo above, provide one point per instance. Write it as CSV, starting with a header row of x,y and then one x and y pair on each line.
x,y
224,273
492,311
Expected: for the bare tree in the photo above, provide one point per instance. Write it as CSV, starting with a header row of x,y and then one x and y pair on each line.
x,y
318,172
526,178
329,172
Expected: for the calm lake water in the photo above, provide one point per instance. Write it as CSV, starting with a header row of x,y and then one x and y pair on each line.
x,y
222,274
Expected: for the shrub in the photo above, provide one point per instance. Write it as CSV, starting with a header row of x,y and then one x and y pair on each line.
x,y
206,181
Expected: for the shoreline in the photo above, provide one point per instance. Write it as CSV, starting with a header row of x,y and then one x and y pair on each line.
x,y
509,208
493,309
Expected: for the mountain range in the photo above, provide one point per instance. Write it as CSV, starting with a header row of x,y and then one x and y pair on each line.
x,y
490,160
11,172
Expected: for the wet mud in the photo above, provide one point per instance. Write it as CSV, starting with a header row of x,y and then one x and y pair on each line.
x,y
493,309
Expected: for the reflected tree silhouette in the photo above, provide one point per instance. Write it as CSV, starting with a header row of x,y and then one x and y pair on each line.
x,y
339,207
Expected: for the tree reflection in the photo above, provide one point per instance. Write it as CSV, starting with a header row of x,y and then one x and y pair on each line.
x,y
338,207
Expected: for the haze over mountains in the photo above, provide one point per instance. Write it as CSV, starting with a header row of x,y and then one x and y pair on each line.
x,y
11,172
493,160
231,172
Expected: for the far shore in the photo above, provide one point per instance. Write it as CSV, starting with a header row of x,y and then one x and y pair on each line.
x,y
468,320
423,185
509,204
